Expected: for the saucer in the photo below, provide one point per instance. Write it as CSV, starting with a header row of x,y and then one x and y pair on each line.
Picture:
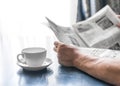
x,y
45,64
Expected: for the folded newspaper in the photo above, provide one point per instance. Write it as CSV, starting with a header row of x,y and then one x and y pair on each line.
x,y
98,34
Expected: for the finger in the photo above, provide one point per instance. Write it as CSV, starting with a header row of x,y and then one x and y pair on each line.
x,y
118,16
65,63
118,25
56,43
55,49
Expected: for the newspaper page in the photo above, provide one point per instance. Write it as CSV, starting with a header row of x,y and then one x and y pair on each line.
x,y
100,30
65,34
93,34
101,53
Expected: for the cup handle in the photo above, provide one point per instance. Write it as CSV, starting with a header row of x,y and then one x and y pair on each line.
x,y
21,60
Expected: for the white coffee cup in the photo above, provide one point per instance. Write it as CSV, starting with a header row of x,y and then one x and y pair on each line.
x,y
33,56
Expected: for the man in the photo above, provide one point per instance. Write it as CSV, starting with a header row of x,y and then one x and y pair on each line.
x,y
105,69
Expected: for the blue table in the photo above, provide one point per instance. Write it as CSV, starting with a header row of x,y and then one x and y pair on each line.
x,y
55,75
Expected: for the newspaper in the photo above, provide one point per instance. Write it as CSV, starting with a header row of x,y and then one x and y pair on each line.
x,y
95,36
100,30
66,35
101,53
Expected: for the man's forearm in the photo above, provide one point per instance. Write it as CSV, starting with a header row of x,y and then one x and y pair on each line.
x,y
102,68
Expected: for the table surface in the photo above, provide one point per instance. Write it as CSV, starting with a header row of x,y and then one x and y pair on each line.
x,y
54,75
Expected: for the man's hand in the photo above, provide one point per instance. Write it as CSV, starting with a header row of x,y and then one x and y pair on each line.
x,y
67,54
100,68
